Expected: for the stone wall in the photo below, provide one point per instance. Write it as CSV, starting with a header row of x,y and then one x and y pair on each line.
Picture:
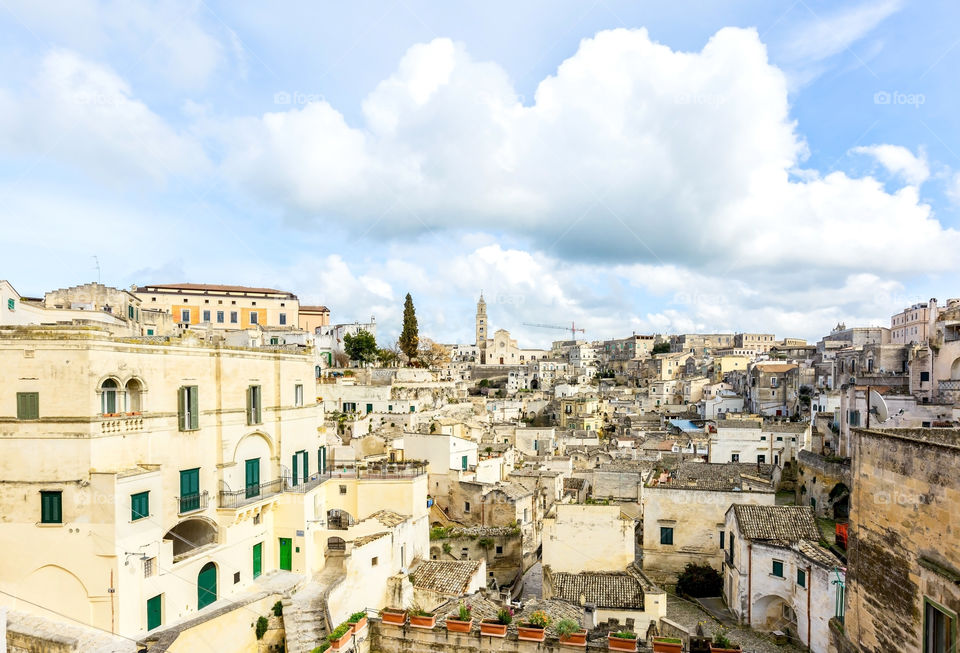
x,y
467,544
817,477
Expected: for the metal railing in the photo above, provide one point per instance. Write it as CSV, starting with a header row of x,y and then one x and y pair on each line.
x,y
250,494
193,502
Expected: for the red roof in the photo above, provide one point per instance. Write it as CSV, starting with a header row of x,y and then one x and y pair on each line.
x,y
314,309
203,287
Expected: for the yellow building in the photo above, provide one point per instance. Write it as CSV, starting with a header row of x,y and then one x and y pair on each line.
x,y
580,412
223,307
723,365
145,478
312,317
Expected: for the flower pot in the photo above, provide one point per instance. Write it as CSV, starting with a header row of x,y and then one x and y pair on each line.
x,y
575,639
667,645
455,625
343,642
360,625
621,643
493,628
394,617
531,633
735,648
423,621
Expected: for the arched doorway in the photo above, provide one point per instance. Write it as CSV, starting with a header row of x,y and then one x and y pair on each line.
x,y
206,585
339,520
336,544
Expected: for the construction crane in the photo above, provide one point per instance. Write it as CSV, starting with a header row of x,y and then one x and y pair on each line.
x,y
572,328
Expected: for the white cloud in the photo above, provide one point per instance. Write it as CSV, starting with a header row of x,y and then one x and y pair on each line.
x,y
826,35
85,114
899,161
630,152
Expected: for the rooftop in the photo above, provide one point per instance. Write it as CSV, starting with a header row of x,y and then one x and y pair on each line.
x,y
714,476
777,524
613,589
212,288
445,576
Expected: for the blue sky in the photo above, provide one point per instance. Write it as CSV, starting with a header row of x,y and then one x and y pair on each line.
x,y
635,167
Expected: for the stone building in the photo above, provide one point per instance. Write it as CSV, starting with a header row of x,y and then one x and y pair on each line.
x,y
777,577
222,307
903,578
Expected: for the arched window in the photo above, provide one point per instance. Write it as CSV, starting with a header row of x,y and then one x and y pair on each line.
x,y
108,397
134,396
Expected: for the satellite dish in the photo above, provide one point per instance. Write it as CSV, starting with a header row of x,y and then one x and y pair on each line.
x,y
878,406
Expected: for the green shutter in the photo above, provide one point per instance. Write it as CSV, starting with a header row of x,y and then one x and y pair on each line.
x,y
51,507
294,479
139,506
258,401
28,405
194,407
306,466
182,408
253,477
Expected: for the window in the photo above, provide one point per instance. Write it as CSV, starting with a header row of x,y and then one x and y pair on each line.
x,y
206,316
51,504
924,376
499,550
149,332
466,506
298,394
761,459
11,304
219,317
801,578
722,533
189,408
526,515
108,397
149,567
254,317
343,489
130,311
939,629
185,315
233,317
283,318
777,569
763,438
252,477
374,561
369,408
666,535
139,506
779,438
28,405
734,457
254,405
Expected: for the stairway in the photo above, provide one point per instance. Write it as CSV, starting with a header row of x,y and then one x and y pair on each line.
x,y
305,616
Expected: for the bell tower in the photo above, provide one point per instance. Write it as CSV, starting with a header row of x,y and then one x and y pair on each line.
x,y
482,329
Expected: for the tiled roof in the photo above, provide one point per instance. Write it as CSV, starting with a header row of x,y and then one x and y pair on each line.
x,y
738,424
574,483
445,576
776,523
511,490
367,539
603,589
816,553
388,518
716,476
775,367
203,287
314,309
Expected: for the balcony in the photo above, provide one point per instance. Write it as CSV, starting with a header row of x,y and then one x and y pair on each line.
x,y
193,503
120,423
231,500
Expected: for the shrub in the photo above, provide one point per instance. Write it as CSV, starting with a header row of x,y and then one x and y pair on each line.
x,y
720,639
356,616
567,627
439,533
339,632
540,619
625,634
446,547
485,543
417,611
505,616
699,580
463,612
261,627
320,649
277,609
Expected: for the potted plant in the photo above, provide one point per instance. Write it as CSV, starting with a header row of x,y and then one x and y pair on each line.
x,y
535,628
340,636
420,618
393,616
721,643
497,627
460,621
321,649
667,645
358,620
571,634
623,640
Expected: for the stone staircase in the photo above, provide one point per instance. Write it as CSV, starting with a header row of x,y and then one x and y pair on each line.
x,y
305,615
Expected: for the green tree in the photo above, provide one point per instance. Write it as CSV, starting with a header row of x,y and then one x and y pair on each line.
x,y
361,347
409,336
661,348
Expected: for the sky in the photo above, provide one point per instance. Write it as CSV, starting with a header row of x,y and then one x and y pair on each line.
x,y
633,167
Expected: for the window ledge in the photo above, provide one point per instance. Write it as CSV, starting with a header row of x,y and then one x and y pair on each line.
x,y
49,525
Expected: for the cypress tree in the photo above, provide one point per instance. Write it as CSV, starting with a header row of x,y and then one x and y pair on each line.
x,y
409,337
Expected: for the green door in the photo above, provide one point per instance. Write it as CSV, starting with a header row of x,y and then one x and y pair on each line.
x,y
253,477
463,462
154,616
190,490
286,553
257,559
206,585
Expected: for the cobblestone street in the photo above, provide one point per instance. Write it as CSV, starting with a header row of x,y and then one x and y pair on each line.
x,y
689,614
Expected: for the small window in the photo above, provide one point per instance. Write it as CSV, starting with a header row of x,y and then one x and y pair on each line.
x,y
283,318
343,489
185,315
939,629
206,316
11,304
189,408
139,506
734,457
51,507
130,311
801,578
466,506
298,394
777,568
149,332
236,577
374,561
254,317
499,550
219,317
233,317
149,567
761,458
254,408
763,438
924,376
779,438
28,405
666,535
722,539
